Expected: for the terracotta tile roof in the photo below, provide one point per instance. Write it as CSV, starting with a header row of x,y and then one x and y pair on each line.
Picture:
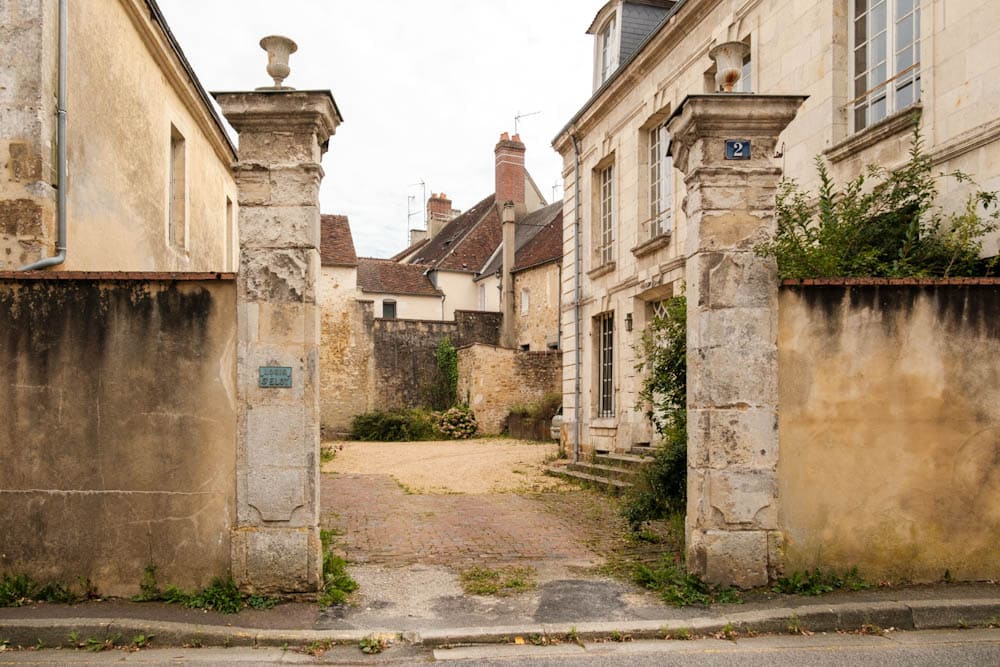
x,y
545,246
384,276
465,243
537,223
336,245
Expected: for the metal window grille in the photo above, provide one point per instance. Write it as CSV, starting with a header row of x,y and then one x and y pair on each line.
x,y
660,193
659,309
886,64
606,366
607,214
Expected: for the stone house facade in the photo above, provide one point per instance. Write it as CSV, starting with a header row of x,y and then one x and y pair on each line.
x,y
147,184
869,69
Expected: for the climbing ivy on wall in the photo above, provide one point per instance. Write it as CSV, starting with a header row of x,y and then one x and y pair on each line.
x,y
662,361
445,393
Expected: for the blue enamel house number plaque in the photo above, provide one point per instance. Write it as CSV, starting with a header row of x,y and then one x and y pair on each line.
x,y
737,149
274,377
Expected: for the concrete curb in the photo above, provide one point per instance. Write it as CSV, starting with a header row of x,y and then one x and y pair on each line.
x,y
915,615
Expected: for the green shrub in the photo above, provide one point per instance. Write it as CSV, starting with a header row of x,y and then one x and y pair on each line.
x,y
661,489
882,224
458,423
399,426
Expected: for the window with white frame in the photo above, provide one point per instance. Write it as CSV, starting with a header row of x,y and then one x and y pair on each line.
x,y
745,84
606,52
885,35
606,365
660,184
606,212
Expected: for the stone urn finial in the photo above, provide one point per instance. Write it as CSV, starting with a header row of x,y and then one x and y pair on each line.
x,y
728,58
278,50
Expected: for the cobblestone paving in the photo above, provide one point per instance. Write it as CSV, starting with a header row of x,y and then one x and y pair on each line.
x,y
383,524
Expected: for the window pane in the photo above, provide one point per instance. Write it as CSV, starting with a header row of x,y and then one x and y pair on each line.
x,y
860,31
877,76
904,33
860,85
904,59
860,117
904,96
860,61
878,49
877,18
878,110
860,6
903,7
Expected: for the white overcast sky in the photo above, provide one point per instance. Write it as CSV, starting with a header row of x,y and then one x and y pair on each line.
x,y
425,89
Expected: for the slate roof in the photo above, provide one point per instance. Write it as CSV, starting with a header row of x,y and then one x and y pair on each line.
x,y
465,243
545,222
336,245
401,255
384,276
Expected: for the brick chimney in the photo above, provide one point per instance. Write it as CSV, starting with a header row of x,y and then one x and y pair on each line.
x,y
510,172
439,213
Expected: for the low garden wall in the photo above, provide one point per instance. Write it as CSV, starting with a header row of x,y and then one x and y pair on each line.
x,y
890,427
492,380
117,428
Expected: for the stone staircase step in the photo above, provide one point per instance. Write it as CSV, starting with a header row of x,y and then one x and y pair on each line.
x,y
632,462
612,486
602,470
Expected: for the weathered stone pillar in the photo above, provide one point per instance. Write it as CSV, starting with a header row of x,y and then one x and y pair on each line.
x,y
732,522
283,134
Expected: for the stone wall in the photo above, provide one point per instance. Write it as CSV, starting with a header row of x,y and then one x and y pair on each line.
x,y
537,324
492,380
345,370
405,363
890,429
118,429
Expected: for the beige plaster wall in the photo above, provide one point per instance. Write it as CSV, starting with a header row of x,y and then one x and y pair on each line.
x,y
958,121
494,379
118,434
539,326
408,306
461,293
126,88
890,430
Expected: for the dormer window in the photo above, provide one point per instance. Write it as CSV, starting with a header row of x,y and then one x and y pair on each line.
x,y
606,51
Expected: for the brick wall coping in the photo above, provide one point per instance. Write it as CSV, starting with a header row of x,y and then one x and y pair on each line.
x,y
115,275
840,282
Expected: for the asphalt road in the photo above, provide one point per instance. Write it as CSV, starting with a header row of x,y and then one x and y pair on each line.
x,y
963,648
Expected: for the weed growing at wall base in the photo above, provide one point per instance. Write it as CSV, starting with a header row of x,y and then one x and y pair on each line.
x,y
19,590
337,583
220,595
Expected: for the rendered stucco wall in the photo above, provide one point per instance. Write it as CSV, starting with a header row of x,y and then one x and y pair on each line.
x,y
126,89
118,430
890,429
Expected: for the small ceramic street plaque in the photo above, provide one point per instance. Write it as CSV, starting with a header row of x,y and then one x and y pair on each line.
x,y
274,377
737,149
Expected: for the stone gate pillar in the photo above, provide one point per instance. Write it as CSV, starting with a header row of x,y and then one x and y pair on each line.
x,y
724,144
283,135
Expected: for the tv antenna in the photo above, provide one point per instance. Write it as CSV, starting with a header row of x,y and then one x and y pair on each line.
x,y
519,116
423,201
555,186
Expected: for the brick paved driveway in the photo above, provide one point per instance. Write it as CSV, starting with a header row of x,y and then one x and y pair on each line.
x,y
383,523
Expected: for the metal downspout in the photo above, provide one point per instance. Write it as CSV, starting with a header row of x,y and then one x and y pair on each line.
x,y
60,255
576,297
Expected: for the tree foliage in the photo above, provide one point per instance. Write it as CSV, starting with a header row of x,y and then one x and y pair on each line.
x,y
881,224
